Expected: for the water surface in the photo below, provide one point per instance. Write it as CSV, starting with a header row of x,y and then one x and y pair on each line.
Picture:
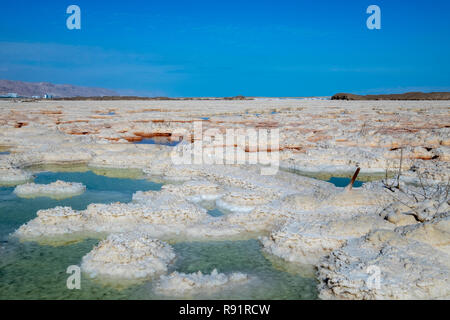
x,y
159,140
29,270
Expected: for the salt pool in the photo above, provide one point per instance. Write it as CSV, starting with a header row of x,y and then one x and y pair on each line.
x,y
339,179
158,140
29,270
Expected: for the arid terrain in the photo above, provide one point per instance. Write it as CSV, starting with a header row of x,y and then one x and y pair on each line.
x,y
398,221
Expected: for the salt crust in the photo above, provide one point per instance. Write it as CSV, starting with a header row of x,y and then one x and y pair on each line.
x,y
414,263
58,189
179,284
131,255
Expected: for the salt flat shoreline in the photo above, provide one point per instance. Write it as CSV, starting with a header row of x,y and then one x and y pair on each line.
x,y
297,218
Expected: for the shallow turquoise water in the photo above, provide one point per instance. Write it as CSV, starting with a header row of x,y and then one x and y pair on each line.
x,y
339,179
164,142
343,182
15,211
32,271
215,212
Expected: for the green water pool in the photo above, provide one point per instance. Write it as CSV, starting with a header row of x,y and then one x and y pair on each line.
x,y
29,270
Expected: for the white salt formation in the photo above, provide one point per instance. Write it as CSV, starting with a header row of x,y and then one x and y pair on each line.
x,y
125,156
131,255
196,190
307,241
413,263
298,218
158,213
56,190
320,224
180,284
53,222
243,200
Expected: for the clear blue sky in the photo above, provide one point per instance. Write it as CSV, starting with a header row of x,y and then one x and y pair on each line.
x,y
225,48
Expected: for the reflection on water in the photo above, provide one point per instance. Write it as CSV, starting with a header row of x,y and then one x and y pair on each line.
x,y
4,150
15,211
339,179
215,212
30,270
242,256
343,182
166,141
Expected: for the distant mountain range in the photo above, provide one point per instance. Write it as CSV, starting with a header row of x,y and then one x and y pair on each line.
x,y
29,89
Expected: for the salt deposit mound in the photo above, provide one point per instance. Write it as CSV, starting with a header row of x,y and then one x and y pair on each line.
x,y
53,222
155,212
131,255
413,263
178,284
307,240
56,190
320,223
